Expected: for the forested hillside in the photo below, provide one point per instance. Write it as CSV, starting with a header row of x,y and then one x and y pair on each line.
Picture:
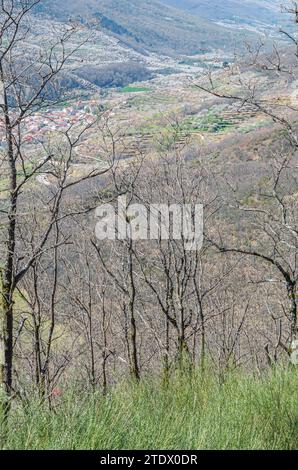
x,y
151,25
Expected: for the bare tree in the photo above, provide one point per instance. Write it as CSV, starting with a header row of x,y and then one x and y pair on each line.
x,y
269,225
26,82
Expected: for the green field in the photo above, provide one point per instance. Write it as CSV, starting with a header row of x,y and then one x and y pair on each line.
x,y
135,89
201,411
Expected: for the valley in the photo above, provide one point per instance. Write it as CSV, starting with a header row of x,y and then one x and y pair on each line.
x,y
147,114
149,117
153,90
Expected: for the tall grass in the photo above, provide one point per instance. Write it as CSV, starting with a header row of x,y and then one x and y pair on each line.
x,y
241,412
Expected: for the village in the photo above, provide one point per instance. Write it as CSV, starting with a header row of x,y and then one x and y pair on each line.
x,y
38,126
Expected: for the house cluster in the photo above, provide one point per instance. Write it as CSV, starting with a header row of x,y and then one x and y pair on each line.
x,y
36,127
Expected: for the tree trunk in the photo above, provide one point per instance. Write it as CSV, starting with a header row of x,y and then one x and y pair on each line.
x,y
135,371
292,290
7,272
6,348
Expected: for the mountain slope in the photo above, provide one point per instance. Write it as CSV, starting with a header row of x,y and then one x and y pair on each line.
x,y
252,16
145,24
246,10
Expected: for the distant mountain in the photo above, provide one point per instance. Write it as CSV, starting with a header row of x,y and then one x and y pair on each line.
x,y
147,25
246,11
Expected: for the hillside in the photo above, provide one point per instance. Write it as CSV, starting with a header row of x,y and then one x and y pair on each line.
x,y
145,25
250,13
248,9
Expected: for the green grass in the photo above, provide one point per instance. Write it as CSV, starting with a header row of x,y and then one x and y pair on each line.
x,y
134,89
242,412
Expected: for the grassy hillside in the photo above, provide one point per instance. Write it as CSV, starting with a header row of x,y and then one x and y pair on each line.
x,y
237,412
144,24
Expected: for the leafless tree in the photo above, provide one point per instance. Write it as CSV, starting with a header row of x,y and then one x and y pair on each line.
x,y
26,81
269,224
